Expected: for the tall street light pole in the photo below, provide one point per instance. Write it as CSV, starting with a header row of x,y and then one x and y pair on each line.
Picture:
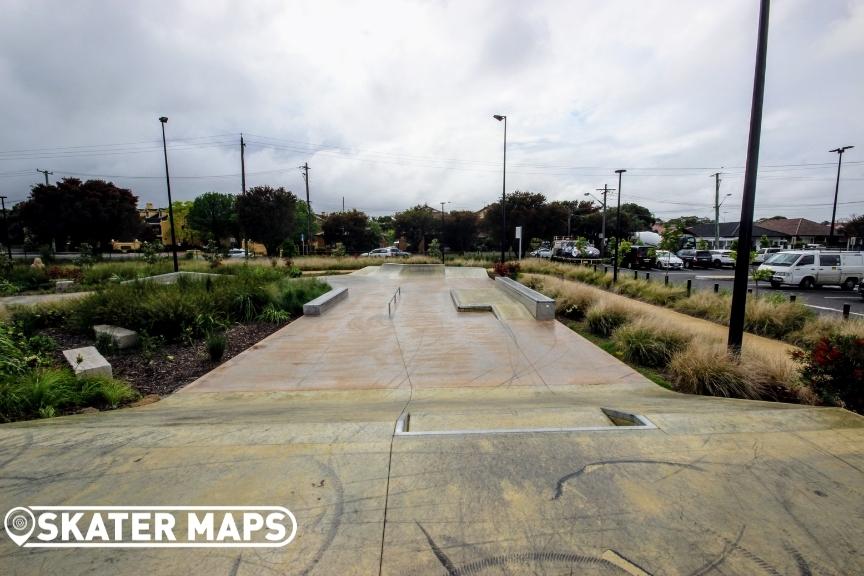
x,y
748,201
839,152
617,228
164,120
716,177
499,117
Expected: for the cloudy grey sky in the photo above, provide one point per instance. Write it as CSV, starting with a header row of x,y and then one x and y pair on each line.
x,y
391,103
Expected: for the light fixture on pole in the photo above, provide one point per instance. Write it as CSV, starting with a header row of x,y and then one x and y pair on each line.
x,y
500,117
839,152
164,120
617,228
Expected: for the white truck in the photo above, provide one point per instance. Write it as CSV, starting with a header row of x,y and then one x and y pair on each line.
x,y
811,268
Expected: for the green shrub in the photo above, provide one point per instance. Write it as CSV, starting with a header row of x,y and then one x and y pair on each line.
x,y
46,392
216,344
186,310
273,315
648,344
604,319
834,368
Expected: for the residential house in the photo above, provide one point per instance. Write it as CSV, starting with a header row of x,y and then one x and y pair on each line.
x,y
801,231
729,233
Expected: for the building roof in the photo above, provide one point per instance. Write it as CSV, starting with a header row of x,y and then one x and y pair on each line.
x,y
796,227
730,230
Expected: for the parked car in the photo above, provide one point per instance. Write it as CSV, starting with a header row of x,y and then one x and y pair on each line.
x,y
696,258
237,253
861,289
668,261
542,253
639,257
763,254
721,258
388,252
812,268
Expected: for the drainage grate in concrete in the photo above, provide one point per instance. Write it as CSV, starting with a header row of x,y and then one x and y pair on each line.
x,y
618,421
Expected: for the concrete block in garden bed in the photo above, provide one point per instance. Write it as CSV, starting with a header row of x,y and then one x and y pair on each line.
x,y
122,338
63,285
88,361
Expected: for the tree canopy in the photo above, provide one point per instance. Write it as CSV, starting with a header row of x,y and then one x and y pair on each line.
x,y
266,215
212,215
75,212
419,225
350,228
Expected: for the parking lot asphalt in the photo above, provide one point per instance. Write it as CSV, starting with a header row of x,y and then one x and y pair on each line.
x,y
827,300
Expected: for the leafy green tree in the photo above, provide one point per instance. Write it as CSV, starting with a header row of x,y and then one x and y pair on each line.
x,y
434,249
300,223
351,229
419,225
670,238
266,215
460,230
213,216
701,244
92,212
683,222
764,242
854,227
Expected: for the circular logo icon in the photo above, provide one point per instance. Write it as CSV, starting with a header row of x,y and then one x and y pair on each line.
x,y
19,523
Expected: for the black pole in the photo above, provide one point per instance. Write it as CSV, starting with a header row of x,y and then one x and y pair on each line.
x,y
617,229
745,229
6,227
242,163
500,117
839,152
163,120
243,185
442,232
308,208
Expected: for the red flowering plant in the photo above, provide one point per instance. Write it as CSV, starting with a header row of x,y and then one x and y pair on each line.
x,y
834,367
509,269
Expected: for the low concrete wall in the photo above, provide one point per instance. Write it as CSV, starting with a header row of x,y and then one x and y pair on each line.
x,y
541,307
324,302
171,277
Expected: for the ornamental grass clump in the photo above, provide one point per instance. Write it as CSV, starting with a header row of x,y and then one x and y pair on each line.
x,y
604,319
647,343
711,371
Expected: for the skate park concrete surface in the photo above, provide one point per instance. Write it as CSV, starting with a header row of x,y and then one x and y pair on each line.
x,y
432,441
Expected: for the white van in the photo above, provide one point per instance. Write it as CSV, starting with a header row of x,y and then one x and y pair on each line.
x,y
811,268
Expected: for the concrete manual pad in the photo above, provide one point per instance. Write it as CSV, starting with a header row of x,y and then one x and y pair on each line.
x,y
306,419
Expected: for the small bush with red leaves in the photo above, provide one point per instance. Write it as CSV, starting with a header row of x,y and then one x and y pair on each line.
x,y
509,269
834,367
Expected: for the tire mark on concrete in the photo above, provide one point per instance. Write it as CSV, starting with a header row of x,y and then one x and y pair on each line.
x,y
236,567
439,554
727,548
330,536
803,565
533,559
559,486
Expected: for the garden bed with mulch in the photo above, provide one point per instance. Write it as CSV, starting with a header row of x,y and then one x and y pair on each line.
x,y
162,369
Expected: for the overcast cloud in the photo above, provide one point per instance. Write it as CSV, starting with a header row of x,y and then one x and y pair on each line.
x,y
391,103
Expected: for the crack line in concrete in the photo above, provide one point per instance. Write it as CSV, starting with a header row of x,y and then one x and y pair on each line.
x,y
392,438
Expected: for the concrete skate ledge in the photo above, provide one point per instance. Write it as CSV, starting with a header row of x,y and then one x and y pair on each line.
x,y
324,302
541,307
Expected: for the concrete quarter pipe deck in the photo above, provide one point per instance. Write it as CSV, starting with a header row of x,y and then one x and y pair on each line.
x,y
425,440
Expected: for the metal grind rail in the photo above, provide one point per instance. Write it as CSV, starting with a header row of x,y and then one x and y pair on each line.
x,y
394,300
